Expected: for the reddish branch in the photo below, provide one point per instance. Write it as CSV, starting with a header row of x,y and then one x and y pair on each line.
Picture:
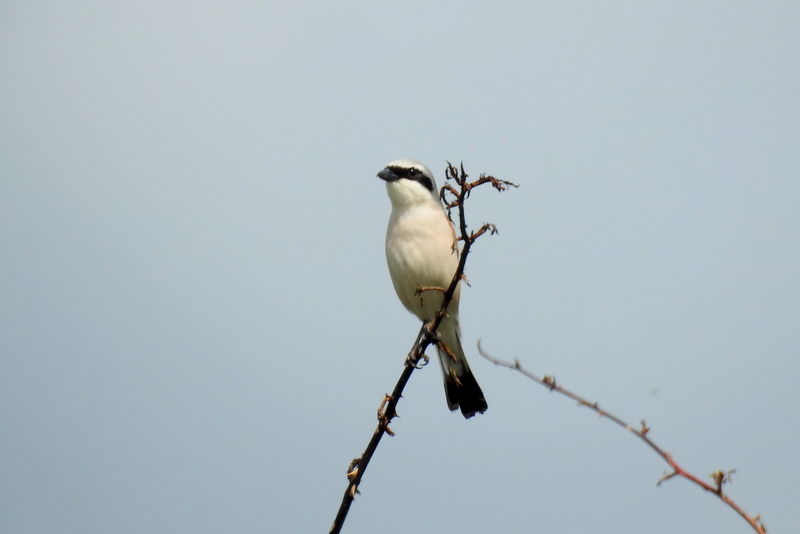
x,y
427,334
720,478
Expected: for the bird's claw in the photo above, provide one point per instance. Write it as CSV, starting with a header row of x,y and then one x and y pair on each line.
x,y
421,361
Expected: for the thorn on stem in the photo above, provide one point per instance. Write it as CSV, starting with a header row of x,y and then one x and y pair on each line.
x,y
666,477
384,417
446,349
645,429
352,470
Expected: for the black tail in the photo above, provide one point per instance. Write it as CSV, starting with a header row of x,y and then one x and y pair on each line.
x,y
465,393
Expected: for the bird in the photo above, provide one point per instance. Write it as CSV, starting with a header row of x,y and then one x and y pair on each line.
x,y
422,252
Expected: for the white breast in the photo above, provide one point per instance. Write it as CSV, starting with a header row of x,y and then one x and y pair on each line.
x,y
420,253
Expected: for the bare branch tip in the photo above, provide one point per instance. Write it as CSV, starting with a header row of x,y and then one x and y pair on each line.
x,y
720,478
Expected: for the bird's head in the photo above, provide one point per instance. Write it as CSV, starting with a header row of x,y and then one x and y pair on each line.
x,y
409,182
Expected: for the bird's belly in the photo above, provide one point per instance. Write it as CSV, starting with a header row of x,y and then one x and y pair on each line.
x,y
420,260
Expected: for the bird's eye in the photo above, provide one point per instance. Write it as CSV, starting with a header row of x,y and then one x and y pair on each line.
x,y
412,172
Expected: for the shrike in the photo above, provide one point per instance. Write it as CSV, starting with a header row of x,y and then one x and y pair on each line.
x,y
421,251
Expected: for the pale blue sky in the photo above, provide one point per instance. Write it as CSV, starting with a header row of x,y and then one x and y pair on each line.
x,y
197,324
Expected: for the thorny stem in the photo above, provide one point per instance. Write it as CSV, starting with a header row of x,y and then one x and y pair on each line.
x,y
427,334
719,477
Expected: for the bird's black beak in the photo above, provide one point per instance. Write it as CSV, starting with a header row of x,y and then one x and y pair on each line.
x,y
387,175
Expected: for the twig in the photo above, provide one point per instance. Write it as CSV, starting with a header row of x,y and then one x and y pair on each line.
x,y
720,478
427,334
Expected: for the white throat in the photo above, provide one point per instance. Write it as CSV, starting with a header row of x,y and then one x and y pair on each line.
x,y
407,193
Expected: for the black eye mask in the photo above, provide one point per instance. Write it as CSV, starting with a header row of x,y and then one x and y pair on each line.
x,y
412,174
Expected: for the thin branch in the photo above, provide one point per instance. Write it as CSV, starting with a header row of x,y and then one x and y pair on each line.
x,y
427,334
720,478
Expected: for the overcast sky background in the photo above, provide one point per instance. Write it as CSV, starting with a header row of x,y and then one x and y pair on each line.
x,y
197,325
